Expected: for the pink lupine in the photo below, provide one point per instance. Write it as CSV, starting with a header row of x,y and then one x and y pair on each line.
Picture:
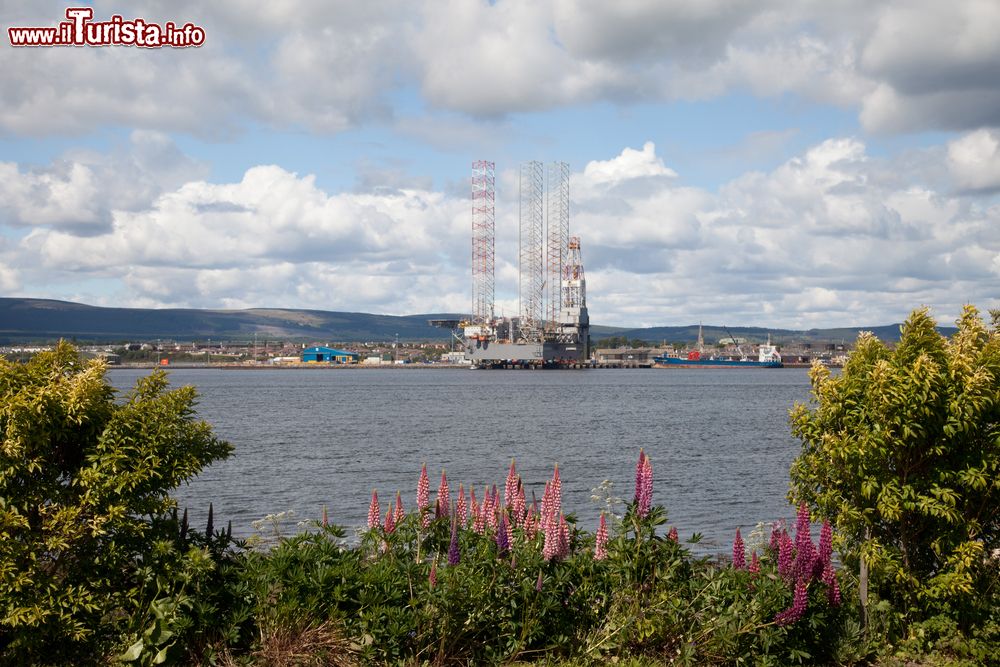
x,y
478,517
754,563
673,534
531,525
510,486
374,512
461,509
556,500
775,542
423,497
492,517
799,604
638,476
601,540
546,510
509,529
739,552
519,506
646,492
563,537
550,548
443,495
400,514
454,555
785,549
390,521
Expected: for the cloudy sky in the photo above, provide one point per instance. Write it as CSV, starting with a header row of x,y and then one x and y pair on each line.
x,y
789,163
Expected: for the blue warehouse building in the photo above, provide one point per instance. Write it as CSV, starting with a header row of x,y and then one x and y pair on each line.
x,y
329,354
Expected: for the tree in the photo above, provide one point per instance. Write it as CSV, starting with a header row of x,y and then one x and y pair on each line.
x,y
902,453
85,511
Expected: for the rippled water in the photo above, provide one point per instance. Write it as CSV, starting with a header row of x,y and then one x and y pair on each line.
x,y
719,438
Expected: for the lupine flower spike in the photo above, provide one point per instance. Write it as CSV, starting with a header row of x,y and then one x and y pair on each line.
x,y
432,578
638,476
502,538
646,494
601,540
538,582
374,512
739,552
563,537
423,497
390,521
754,563
461,508
673,534
400,514
550,547
443,495
798,608
454,555
510,486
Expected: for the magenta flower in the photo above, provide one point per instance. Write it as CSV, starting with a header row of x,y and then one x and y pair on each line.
x,y
454,555
550,547
775,543
510,486
390,521
646,491
826,543
461,508
754,563
833,591
799,604
492,516
400,514
519,507
374,512
443,496
423,497
785,549
673,534
556,500
638,476
601,540
739,552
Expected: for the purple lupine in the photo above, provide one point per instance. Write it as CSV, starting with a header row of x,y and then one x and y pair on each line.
x,y
785,549
672,535
799,604
739,552
461,509
754,563
638,476
432,578
423,497
443,495
833,590
601,540
646,492
502,539
454,555
510,485
775,538
400,514
374,512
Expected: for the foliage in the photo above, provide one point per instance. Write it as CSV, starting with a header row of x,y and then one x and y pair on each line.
x,y
902,452
88,539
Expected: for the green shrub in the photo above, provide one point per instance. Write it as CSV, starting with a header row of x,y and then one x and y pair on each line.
x,y
89,546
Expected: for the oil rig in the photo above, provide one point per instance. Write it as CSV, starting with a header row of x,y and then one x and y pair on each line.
x,y
552,328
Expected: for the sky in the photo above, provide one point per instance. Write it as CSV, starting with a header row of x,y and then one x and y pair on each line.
x,y
782,163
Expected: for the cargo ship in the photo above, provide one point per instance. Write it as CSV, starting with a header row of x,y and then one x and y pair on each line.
x,y
767,357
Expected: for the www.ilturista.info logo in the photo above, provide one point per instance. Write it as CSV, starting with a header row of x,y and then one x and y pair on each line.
x,y
80,30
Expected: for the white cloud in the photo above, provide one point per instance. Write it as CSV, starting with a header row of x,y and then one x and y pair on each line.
x,y
974,160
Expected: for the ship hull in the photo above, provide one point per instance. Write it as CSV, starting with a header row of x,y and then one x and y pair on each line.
x,y
677,362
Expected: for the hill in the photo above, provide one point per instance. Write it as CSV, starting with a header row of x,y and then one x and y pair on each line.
x,y
26,320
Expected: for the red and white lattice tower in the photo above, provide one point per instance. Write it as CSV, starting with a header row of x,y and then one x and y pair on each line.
x,y
557,213
532,250
483,241
574,280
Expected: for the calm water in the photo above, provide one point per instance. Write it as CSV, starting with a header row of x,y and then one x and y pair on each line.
x,y
719,439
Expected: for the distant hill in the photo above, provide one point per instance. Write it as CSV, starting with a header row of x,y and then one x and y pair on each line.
x,y
24,320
